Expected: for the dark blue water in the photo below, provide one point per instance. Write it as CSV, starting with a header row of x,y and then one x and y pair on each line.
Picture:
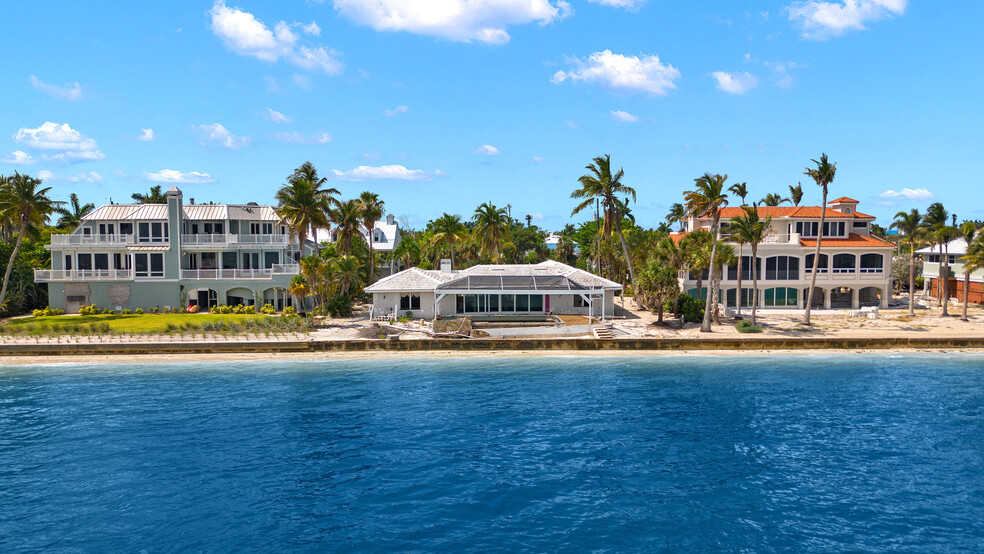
x,y
567,454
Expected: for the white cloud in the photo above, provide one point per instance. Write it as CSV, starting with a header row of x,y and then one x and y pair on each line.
x,y
301,81
394,172
69,92
277,117
486,150
396,111
67,144
147,135
459,20
537,160
571,124
84,177
18,157
242,33
371,156
626,4
311,29
624,117
918,195
174,176
272,84
820,20
622,73
217,134
300,138
735,83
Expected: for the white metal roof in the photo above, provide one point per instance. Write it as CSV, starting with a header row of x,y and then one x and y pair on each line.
x,y
415,279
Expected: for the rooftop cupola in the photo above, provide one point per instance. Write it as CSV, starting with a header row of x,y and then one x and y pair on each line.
x,y
844,205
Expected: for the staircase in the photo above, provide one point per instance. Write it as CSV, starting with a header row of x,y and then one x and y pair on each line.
x,y
603,333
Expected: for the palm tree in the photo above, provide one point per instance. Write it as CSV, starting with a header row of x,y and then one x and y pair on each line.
x,y
448,230
910,225
154,197
346,218
936,218
822,175
71,219
26,207
371,209
969,231
740,190
310,267
738,238
408,251
695,249
601,184
796,193
752,230
304,205
708,197
491,229
669,254
973,260
678,214
346,273
725,257
944,235
774,200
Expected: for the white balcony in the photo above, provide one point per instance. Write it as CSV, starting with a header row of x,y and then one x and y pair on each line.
x,y
229,239
91,240
46,275
240,274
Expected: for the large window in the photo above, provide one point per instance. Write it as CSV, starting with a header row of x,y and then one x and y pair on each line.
x,y
781,268
821,267
152,232
830,228
872,263
101,261
409,302
85,261
495,303
148,265
746,269
780,296
843,263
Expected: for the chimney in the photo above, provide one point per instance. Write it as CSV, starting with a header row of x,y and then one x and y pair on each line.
x,y
192,200
390,219
445,266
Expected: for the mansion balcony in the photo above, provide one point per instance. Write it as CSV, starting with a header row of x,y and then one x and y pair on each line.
x,y
49,275
120,241
240,274
206,241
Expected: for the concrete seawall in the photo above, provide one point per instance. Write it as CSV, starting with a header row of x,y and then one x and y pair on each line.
x,y
557,345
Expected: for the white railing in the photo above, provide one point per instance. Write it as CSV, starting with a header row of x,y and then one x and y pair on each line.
x,y
78,240
232,239
41,275
239,274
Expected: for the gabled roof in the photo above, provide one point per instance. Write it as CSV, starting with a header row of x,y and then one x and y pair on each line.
x,y
844,200
808,212
957,246
854,240
192,212
415,279
412,280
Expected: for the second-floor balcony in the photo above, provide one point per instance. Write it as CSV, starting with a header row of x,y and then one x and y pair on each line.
x,y
93,240
230,239
240,274
48,275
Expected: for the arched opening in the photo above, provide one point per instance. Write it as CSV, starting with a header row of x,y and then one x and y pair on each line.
x,y
205,299
240,295
700,295
842,297
872,263
780,297
870,296
732,298
818,296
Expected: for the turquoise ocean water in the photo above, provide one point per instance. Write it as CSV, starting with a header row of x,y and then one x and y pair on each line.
x,y
759,454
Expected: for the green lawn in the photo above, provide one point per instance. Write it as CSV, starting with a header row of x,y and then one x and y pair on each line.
x,y
147,323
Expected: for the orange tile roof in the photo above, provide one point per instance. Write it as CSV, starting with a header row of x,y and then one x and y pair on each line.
x,y
854,240
809,212
677,237
844,199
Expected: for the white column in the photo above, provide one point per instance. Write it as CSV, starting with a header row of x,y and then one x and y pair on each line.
x,y
603,304
826,297
855,298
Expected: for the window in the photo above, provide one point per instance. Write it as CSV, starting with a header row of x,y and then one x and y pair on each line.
x,y
251,260
229,260
522,303
746,269
409,302
871,263
68,263
860,224
101,261
270,258
843,263
536,302
261,228
579,301
148,265
268,228
126,228
781,268
493,302
85,261
508,302
780,296
144,231
209,260
821,267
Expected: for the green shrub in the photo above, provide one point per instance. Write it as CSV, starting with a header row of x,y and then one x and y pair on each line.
x,y
289,311
58,311
108,311
89,310
138,311
251,309
38,312
690,308
339,306
745,326
126,311
155,310
268,309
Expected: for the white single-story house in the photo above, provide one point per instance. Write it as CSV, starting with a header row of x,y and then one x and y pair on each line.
x,y
543,288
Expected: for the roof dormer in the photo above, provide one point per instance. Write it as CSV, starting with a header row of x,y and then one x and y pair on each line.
x,y
844,205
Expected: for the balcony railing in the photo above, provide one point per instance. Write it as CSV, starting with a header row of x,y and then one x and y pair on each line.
x,y
43,275
95,240
232,239
240,274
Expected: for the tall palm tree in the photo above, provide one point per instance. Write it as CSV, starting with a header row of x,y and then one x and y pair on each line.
x,y
740,190
708,197
738,238
969,231
944,235
491,229
371,210
154,197
303,204
448,230
678,214
346,273
669,254
774,199
974,258
600,183
910,225
71,219
346,218
752,230
695,248
408,251
725,257
936,218
27,207
823,174
796,193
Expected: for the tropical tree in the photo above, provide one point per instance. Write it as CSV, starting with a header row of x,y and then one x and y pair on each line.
x,y
740,190
823,174
669,254
707,198
448,230
303,204
936,218
725,257
347,218
739,239
71,219
491,229
772,199
973,260
154,197
347,274
944,235
796,193
678,214
969,231
752,230
27,207
658,285
371,210
601,184
910,225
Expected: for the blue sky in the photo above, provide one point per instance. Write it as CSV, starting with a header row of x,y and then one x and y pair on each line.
x,y
441,105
